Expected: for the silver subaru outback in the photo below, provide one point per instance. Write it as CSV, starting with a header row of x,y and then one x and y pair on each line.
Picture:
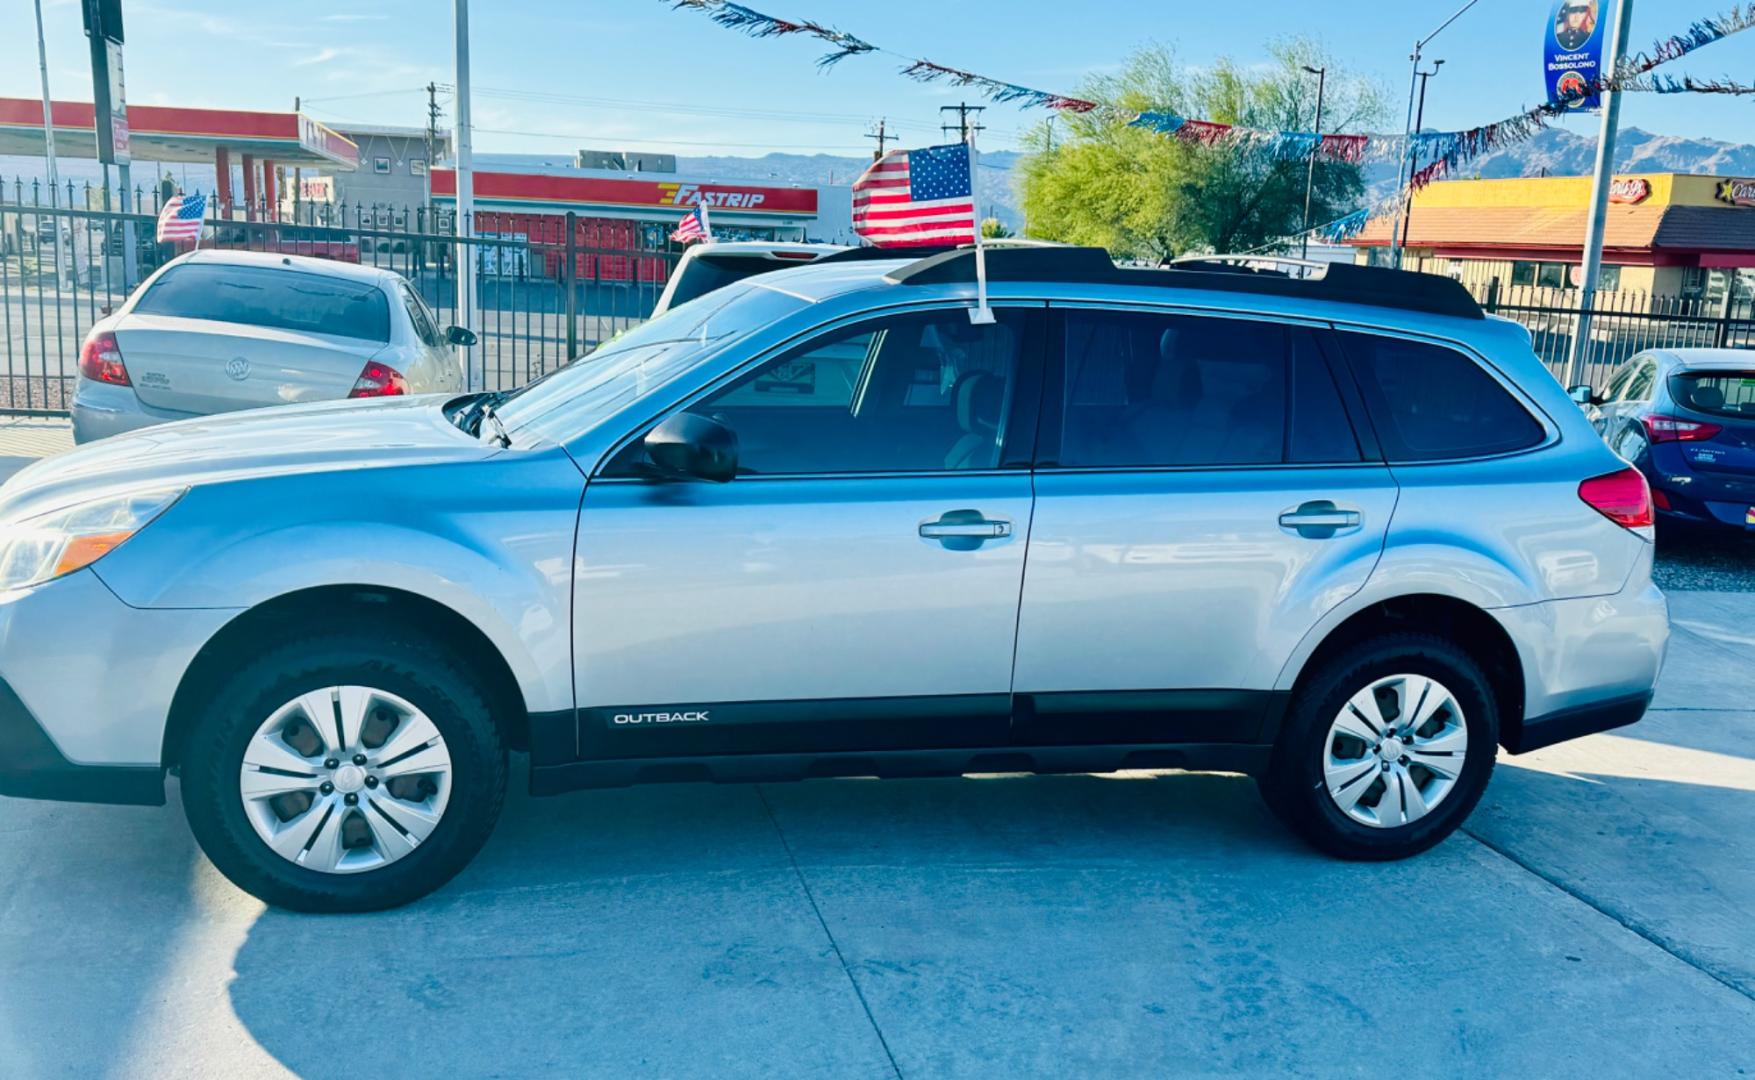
x,y
1339,531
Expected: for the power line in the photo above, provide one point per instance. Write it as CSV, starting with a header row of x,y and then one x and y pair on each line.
x,y
576,135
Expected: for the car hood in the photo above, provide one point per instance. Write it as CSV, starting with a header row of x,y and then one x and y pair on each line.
x,y
258,442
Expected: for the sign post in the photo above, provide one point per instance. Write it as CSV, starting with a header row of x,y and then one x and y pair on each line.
x,y
103,25
1599,198
465,261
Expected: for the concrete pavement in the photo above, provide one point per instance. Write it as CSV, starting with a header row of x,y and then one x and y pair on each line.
x,y
1596,917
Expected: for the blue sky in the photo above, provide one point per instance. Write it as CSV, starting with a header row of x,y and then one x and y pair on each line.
x,y
635,74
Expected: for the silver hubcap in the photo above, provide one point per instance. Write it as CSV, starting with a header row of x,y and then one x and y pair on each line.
x,y
345,779
1395,751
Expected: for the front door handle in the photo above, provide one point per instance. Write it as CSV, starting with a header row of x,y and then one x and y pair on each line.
x,y
1319,519
964,530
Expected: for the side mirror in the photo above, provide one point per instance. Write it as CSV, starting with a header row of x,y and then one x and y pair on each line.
x,y
688,446
1582,394
458,335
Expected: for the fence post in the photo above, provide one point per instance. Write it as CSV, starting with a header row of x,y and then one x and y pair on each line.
x,y
1721,334
1492,303
569,275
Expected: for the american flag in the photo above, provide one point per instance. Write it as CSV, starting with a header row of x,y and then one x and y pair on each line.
x,y
916,197
181,218
692,228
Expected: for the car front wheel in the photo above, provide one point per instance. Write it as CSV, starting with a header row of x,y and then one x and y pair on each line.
x,y
345,773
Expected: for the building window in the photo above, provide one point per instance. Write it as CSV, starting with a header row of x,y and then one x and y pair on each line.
x,y
1609,279
1551,275
381,165
417,166
1523,273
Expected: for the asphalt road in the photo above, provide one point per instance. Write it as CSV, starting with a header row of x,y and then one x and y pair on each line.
x,y
1596,918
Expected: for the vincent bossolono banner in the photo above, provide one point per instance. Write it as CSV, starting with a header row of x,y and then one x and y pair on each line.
x,y
1572,53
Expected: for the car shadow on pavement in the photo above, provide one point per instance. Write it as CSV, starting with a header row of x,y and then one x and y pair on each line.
x,y
1032,925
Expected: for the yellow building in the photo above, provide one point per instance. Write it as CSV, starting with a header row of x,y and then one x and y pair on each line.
x,y
1667,235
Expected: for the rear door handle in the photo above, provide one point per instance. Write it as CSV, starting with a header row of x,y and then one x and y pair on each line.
x,y
964,530
1320,519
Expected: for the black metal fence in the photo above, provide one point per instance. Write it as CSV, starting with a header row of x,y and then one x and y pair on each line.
x,y
1622,324
547,288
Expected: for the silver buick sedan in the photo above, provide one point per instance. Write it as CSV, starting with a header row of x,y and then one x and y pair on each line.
x,y
1341,532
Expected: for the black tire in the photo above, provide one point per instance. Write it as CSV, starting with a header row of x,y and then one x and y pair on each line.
x,y
419,671
1294,786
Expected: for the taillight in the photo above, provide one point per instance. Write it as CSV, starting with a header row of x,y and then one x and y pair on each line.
x,y
1623,497
100,360
378,380
1676,429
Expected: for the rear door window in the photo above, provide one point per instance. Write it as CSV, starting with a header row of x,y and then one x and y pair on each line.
x,y
1431,403
277,299
1720,393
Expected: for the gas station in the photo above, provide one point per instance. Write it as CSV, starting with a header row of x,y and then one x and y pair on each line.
x,y
264,144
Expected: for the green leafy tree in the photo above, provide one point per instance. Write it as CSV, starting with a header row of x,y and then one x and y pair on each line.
x,y
1092,179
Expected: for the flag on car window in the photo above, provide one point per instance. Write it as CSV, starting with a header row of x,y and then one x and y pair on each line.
x,y
181,218
924,196
692,228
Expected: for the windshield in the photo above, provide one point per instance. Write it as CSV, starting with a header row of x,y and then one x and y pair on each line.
x,y
566,402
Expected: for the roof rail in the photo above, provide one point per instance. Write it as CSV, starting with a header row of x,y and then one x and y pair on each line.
x,y
1343,283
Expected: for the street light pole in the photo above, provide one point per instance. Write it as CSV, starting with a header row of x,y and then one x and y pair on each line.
x,y
465,261
1407,216
1599,198
1406,174
48,118
1321,74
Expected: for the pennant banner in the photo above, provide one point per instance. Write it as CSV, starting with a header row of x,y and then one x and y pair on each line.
x,y
1430,155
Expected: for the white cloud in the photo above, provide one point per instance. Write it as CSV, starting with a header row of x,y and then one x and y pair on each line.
x,y
353,18
321,56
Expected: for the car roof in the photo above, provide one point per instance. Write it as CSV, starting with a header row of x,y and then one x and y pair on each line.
x,y
761,247
302,263
1322,291
1710,359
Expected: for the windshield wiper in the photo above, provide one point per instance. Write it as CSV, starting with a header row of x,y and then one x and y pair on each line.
x,y
488,414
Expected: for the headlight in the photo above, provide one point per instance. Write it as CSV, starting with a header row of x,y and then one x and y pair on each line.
x,y
44,547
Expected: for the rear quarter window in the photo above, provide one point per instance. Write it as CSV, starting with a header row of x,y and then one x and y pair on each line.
x,y
1721,393
1431,403
276,299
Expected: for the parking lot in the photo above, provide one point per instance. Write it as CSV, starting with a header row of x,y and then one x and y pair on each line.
x,y
1595,917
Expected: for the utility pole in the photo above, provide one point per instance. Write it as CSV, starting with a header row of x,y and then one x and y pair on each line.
x,y
1407,212
465,261
963,127
432,145
1599,196
48,120
1321,74
1407,167
882,137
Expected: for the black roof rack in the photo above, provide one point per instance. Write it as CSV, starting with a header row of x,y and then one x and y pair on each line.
x,y
1336,282
873,254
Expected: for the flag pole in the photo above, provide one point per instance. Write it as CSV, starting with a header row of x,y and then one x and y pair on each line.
x,y
980,314
201,227
706,227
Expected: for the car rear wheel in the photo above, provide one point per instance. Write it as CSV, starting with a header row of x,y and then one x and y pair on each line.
x,y
1386,749
344,773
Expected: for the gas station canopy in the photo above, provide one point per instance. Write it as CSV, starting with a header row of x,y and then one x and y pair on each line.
x,y
159,133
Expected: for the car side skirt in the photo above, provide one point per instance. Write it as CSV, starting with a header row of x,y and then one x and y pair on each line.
x,y
1222,730
1558,727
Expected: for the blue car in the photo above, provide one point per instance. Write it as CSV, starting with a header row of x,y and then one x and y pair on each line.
x,y
1686,419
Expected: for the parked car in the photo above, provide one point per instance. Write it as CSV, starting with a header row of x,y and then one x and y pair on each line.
x,y
1686,419
1344,533
716,264
215,331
